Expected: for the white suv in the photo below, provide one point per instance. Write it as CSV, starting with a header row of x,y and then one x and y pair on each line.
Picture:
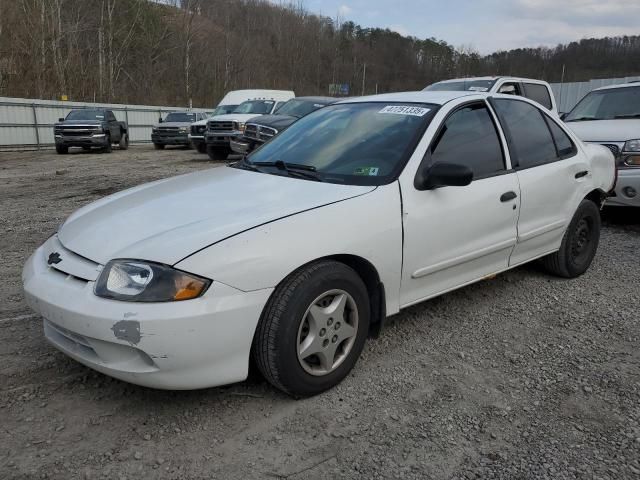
x,y
536,90
611,116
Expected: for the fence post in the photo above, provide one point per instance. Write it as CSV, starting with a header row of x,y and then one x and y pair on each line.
x,y
35,124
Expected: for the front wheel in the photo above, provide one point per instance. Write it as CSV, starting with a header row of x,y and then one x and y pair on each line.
x,y
201,147
124,141
313,329
217,153
579,244
62,149
158,146
108,146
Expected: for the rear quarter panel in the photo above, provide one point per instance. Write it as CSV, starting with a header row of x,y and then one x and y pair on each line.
x,y
603,166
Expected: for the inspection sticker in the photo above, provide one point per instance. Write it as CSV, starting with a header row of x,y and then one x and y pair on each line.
x,y
405,110
478,89
369,171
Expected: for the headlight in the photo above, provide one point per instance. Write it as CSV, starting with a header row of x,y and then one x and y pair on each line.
x,y
140,281
239,126
184,130
632,146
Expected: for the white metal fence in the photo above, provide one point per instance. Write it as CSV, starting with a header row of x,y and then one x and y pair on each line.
x,y
569,94
28,124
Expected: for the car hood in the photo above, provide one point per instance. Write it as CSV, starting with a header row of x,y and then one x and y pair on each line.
x,y
172,124
167,220
202,122
68,123
279,122
619,130
234,117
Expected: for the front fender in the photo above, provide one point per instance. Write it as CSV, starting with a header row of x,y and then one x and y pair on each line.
x,y
368,226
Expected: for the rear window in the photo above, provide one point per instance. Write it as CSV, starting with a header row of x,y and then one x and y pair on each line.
x,y
538,93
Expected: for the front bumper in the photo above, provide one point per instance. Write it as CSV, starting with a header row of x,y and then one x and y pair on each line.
x,y
221,139
192,344
628,182
99,140
180,139
240,147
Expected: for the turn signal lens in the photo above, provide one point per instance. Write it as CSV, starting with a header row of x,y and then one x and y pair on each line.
x,y
633,160
188,287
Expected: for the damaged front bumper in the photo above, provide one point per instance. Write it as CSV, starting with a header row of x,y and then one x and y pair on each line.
x,y
192,344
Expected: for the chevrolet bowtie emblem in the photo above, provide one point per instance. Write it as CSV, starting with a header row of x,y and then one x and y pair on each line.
x,y
54,258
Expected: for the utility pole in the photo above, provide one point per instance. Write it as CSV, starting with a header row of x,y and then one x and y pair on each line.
x,y
364,76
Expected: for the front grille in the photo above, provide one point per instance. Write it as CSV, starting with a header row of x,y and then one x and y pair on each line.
x,y
615,149
259,132
171,130
220,126
76,132
198,129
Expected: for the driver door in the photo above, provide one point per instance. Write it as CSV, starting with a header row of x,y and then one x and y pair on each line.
x,y
456,235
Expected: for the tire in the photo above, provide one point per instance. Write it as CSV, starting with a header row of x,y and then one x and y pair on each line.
x,y
158,146
62,150
287,328
188,146
201,147
123,144
108,147
217,153
579,244
86,149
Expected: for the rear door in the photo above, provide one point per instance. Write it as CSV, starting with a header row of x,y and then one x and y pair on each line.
x,y
456,235
548,165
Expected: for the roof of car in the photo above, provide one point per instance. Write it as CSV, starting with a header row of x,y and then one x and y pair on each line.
x,y
620,85
489,78
322,100
437,97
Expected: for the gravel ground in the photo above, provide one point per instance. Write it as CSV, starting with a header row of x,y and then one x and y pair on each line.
x,y
524,376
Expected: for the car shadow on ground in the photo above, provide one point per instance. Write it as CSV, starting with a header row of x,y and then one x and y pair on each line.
x,y
621,216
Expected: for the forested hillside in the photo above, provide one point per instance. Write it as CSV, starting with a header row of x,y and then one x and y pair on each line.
x,y
168,52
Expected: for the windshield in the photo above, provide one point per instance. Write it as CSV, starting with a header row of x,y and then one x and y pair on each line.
x,y
86,115
259,107
607,105
181,117
223,110
298,108
461,86
352,143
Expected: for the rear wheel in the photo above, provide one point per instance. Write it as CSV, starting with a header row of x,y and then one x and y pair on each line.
x,y
313,329
158,146
579,244
124,141
62,150
218,153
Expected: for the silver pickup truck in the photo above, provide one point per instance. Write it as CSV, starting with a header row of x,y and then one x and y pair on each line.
x,y
174,129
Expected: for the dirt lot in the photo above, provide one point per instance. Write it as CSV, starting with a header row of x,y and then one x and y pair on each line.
x,y
523,376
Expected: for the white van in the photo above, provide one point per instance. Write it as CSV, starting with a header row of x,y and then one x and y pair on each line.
x,y
227,105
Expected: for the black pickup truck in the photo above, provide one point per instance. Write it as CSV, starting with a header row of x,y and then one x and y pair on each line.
x,y
88,128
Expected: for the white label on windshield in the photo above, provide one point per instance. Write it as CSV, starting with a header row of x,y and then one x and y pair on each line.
x,y
405,110
478,89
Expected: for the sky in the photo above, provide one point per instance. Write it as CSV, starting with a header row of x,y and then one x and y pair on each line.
x,y
490,25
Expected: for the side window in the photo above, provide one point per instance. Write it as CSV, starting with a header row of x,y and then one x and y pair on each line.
x,y
564,145
529,139
112,117
538,93
510,88
469,137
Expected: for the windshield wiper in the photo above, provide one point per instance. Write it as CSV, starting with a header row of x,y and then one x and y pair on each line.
x,y
628,115
582,119
294,169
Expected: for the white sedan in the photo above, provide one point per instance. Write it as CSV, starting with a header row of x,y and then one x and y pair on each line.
x,y
297,254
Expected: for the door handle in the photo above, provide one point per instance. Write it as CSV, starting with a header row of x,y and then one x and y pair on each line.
x,y
507,196
581,174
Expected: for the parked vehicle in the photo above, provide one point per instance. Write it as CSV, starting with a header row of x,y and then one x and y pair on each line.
x,y
263,128
356,211
174,129
536,90
221,129
227,105
610,116
88,128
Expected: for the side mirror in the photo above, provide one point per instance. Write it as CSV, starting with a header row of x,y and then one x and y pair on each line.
x,y
61,119
442,174
160,120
